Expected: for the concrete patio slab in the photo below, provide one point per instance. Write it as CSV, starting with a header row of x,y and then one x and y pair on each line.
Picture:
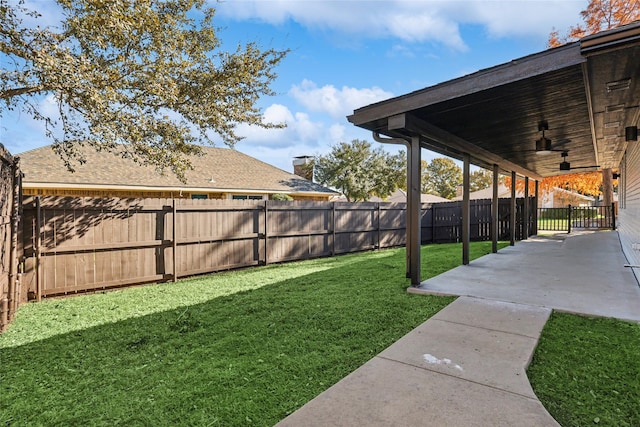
x,y
581,273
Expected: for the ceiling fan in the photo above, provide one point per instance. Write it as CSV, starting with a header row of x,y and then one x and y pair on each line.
x,y
566,166
543,144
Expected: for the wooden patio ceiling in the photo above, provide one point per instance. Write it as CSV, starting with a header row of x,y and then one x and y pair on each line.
x,y
588,92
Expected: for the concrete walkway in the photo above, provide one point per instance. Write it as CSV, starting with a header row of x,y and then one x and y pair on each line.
x,y
466,365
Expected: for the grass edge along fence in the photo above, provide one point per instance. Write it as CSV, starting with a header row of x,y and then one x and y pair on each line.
x,y
73,245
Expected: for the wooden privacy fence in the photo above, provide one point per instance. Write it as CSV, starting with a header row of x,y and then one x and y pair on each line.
x,y
81,244
10,291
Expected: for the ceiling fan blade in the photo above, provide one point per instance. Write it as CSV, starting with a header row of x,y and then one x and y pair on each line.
x,y
560,143
585,167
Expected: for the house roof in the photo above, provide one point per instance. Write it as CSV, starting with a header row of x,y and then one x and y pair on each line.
x,y
573,194
505,192
219,169
487,193
400,196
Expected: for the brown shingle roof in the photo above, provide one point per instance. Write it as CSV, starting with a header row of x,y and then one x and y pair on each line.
x,y
218,169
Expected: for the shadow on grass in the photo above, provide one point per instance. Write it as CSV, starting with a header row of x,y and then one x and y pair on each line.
x,y
249,358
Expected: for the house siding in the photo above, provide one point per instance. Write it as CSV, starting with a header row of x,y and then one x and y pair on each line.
x,y
629,212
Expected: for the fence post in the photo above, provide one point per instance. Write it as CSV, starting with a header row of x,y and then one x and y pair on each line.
x,y
569,220
4,311
266,227
613,216
38,249
378,228
333,228
174,241
12,303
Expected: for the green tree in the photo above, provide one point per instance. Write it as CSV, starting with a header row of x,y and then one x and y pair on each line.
x,y
480,179
145,79
441,177
359,172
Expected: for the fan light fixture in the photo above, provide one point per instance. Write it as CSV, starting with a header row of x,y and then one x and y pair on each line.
x,y
565,166
543,145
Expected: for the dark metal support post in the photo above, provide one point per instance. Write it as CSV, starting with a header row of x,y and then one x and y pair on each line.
x,y
466,211
512,224
413,211
525,211
494,211
535,209
569,219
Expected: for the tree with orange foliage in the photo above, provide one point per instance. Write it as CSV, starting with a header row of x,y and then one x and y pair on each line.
x,y
587,183
599,15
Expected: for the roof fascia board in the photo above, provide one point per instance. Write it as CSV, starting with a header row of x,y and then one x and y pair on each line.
x,y
49,185
441,138
516,70
610,39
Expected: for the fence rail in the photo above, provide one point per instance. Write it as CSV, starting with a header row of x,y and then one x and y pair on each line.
x,y
572,217
80,244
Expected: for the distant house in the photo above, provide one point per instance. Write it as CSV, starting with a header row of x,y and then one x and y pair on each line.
x,y
221,173
400,196
557,198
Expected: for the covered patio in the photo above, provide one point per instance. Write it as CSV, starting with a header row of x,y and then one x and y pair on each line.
x,y
564,110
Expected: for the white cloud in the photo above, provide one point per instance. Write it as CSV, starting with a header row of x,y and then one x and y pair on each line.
x,y
299,128
522,18
413,21
338,103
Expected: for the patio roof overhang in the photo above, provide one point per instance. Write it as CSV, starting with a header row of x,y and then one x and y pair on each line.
x,y
587,91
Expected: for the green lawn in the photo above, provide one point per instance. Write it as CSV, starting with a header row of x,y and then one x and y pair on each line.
x,y
249,347
586,371
552,224
238,348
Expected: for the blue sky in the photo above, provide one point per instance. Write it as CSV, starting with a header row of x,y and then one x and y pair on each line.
x,y
348,54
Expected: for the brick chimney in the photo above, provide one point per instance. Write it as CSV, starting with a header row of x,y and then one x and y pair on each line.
x,y
301,167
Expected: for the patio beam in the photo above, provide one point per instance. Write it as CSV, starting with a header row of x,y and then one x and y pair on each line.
x,y
443,142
